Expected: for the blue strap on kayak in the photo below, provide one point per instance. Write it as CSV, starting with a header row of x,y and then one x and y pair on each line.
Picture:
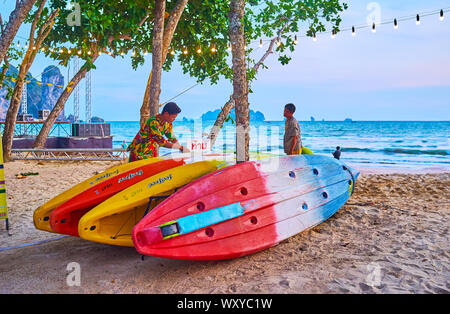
x,y
197,221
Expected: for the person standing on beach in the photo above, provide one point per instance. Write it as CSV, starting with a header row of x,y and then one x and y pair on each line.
x,y
337,153
156,132
292,140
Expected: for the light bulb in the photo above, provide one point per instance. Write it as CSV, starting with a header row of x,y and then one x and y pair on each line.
x,y
199,50
353,31
418,19
295,40
395,24
441,15
260,43
185,51
374,30
213,49
79,52
69,51
314,37
61,51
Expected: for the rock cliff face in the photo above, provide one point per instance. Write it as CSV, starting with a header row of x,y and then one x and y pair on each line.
x,y
51,93
212,115
39,96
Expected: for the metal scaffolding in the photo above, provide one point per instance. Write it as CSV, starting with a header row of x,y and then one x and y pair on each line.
x,y
76,95
88,97
91,154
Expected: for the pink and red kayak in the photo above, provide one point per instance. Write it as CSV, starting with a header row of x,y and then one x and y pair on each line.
x,y
245,208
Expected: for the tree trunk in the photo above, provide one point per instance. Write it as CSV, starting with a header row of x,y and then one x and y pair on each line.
x,y
5,59
157,58
240,84
15,20
41,139
169,30
230,104
11,115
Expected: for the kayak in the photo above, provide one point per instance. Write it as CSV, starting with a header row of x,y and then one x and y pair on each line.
x,y
111,221
65,217
245,208
41,216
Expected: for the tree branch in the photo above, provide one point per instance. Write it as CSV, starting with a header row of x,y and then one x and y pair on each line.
x,y
270,48
37,16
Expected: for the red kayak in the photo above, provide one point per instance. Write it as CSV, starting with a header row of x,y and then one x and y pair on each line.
x,y
245,208
64,218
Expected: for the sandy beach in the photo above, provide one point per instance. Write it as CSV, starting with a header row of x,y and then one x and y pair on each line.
x,y
391,237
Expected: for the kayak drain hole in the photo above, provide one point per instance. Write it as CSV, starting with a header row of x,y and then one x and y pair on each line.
x,y
46,218
63,220
200,206
349,182
325,195
209,232
344,167
254,220
244,191
305,206
292,174
92,228
316,172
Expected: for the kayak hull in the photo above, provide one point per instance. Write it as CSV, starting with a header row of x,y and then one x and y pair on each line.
x,y
111,222
41,216
64,219
245,208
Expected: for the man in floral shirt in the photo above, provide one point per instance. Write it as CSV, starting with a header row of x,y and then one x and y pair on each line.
x,y
156,132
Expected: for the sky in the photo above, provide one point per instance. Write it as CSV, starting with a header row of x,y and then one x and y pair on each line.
x,y
401,74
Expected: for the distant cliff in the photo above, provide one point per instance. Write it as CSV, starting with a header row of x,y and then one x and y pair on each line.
x,y
50,92
212,115
39,94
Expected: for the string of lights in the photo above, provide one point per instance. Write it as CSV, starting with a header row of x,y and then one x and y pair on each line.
x,y
185,51
261,42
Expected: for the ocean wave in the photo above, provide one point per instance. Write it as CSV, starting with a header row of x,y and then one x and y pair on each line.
x,y
436,152
440,152
356,149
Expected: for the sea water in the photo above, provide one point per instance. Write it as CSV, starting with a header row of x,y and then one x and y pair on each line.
x,y
368,143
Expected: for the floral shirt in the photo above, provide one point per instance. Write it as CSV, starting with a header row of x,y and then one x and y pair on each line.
x,y
150,137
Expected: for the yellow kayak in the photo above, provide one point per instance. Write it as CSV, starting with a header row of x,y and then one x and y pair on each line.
x,y
41,216
111,222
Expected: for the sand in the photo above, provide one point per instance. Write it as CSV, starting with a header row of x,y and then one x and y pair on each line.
x,y
391,237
